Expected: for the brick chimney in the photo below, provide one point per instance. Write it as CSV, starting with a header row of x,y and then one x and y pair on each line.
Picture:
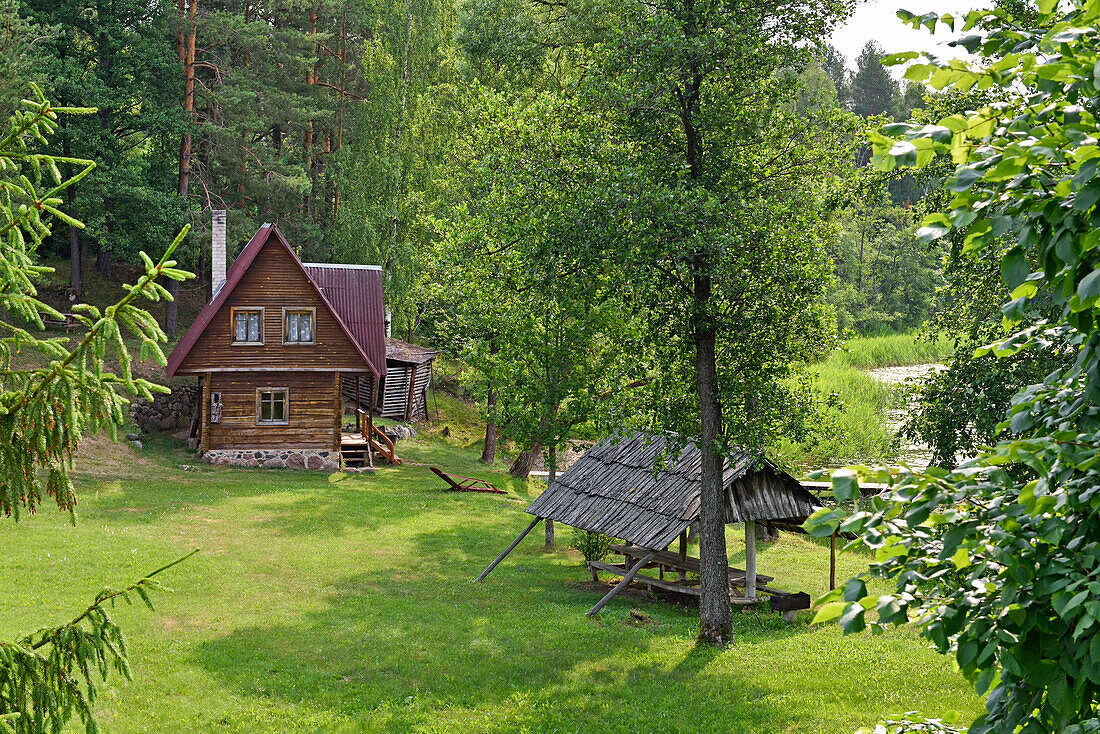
x,y
217,252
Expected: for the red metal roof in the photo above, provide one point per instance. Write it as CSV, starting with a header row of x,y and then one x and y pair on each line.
x,y
355,292
372,356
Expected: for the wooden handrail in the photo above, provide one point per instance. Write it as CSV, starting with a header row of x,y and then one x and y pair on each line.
x,y
385,447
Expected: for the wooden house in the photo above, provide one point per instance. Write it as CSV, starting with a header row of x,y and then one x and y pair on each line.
x,y
272,352
645,490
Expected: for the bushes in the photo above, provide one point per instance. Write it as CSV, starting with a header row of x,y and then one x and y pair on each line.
x,y
593,546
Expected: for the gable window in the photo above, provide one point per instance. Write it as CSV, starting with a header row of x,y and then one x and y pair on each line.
x,y
272,405
299,325
248,326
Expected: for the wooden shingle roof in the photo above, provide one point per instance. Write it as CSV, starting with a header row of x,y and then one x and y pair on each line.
x,y
613,490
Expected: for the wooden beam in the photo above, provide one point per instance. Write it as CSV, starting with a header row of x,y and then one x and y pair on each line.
x,y
683,552
647,580
832,561
508,550
622,584
412,393
750,560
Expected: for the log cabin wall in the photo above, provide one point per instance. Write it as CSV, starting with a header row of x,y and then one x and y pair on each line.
x,y
273,282
313,411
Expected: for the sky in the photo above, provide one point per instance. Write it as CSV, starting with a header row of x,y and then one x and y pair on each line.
x,y
877,20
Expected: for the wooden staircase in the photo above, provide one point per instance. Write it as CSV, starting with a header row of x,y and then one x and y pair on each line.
x,y
357,449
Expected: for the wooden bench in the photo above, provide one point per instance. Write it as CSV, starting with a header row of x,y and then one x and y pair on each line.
x,y
68,321
466,484
683,565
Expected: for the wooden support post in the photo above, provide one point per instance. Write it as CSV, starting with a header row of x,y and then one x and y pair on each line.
x,y
508,550
683,552
622,584
750,560
832,561
357,407
412,395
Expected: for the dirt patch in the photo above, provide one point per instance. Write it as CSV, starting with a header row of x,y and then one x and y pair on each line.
x,y
637,592
99,456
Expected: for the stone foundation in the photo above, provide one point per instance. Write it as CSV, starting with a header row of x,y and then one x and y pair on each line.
x,y
322,459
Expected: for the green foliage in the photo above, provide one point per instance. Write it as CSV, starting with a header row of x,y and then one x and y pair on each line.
x,y
546,328
996,560
871,89
117,57
593,546
885,278
51,675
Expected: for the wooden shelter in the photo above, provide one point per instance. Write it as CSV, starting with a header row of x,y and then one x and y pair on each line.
x,y
404,387
273,349
645,489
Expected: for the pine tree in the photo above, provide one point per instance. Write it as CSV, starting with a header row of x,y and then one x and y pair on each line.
x,y
872,90
52,675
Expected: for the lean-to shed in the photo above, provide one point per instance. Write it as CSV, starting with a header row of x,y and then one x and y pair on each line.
x,y
404,388
614,490
645,489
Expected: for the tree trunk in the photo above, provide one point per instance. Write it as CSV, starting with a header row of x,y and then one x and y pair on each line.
x,y
105,261
521,467
715,622
185,37
552,475
489,452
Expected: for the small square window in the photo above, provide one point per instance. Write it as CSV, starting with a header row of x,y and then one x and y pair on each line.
x,y
272,405
298,325
248,326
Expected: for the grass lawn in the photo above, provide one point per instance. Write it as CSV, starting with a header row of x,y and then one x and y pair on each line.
x,y
347,606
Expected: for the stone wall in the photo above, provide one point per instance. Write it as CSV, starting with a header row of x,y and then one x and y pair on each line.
x,y
170,412
275,458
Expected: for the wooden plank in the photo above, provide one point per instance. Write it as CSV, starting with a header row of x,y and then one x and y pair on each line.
x,y
508,550
647,580
750,560
622,584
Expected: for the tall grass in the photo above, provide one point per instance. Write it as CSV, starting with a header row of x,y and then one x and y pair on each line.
x,y
893,350
854,427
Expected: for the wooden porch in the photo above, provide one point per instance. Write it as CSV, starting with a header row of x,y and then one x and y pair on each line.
x,y
358,448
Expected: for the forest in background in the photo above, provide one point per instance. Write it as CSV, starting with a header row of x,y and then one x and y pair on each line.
x,y
339,121
486,155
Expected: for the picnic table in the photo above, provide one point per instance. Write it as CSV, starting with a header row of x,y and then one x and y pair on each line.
x,y
666,561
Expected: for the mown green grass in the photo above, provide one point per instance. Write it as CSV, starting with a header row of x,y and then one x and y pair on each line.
x,y
348,606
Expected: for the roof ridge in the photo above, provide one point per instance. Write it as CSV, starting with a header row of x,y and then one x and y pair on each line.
x,y
233,278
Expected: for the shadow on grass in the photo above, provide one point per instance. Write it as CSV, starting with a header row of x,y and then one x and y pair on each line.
x,y
396,653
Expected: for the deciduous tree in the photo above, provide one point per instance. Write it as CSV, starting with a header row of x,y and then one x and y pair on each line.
x,y
997,560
